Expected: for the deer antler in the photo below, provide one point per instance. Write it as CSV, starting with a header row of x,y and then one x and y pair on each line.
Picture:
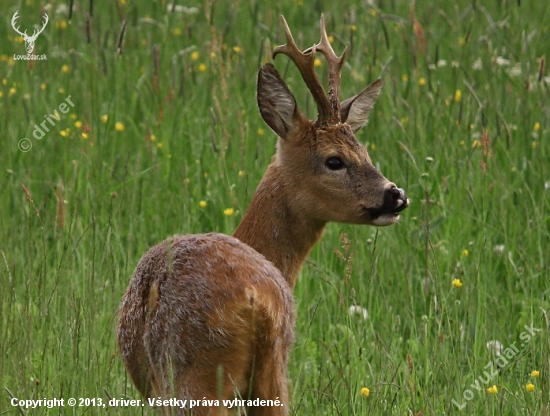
x,y
38,32
304,62
335,65
13,23
327,107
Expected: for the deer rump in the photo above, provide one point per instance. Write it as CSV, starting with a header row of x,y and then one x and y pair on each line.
x,y
224,313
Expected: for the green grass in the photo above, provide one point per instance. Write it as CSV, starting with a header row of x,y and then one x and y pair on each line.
x,y
479,213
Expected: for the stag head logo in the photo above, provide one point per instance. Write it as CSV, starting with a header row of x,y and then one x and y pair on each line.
x,y
29,40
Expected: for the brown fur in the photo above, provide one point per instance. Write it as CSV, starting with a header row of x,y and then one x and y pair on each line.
x,y
219,303
213,316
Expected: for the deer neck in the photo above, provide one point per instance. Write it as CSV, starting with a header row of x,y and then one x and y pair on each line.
x,y
276,229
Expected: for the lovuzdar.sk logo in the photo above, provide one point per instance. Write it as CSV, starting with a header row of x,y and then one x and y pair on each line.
x,y
29,39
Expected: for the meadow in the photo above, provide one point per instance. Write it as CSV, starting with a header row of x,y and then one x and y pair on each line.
x,y
444,313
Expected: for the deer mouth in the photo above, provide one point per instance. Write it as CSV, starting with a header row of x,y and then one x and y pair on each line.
x,y
388,213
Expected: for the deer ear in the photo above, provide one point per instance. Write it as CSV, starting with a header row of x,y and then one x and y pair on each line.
x,y
276,103
355,110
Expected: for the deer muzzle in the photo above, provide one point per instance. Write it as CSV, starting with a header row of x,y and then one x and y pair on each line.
x,y
394,201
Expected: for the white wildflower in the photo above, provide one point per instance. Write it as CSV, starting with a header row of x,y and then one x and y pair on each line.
x,y
62,9
182,9
515,71
494,347
499,248
477,65
500,61
356,310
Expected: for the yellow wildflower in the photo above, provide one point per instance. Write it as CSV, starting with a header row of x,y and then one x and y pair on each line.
x,y
78,124
317,62
476,143
457,283
228,212
104,118
530,387
405,78
119,126
241,173
65,69
493,390
202,204
61,25
13,91
422,81
159,145
458,95
236,49
536,127
465,252
153,138
535,373
260,132
365,391
43,87
202,68
195,55
84,136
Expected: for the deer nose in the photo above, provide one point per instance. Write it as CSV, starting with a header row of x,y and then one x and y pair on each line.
x,y
396,196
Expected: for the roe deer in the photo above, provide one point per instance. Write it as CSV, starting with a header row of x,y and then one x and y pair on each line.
x,y
210,316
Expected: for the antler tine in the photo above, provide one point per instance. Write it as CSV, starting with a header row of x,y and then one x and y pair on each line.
x,y
304,61
335,65
37,32
14,22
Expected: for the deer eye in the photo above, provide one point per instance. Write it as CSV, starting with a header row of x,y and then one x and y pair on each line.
x,y
334,163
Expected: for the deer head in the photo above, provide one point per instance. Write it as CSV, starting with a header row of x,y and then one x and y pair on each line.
x,y
29,40
330,173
